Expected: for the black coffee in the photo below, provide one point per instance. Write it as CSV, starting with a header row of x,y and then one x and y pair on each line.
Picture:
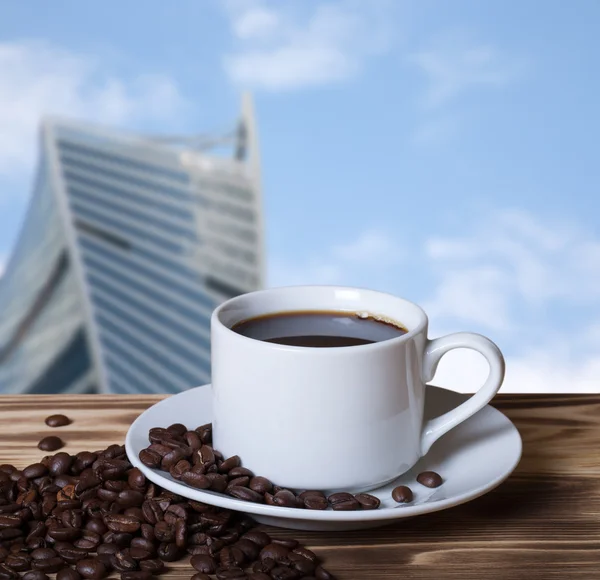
x,y
319,328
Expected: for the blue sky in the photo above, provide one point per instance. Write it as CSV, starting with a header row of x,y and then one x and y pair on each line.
x,y
442,151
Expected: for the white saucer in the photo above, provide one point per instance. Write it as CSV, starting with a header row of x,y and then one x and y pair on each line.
x,y
473,458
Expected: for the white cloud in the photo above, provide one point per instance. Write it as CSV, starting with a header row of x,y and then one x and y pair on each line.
x,y
371,251
452,65
279,48
531,284
37,78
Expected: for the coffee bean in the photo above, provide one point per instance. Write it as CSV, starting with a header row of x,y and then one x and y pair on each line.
x,y
242,481
240,472
244,494
43,554
49,565
284,498
285,573
231,557
60,464
322,574
96,525
260,484
122,561
229,464
136,575
315,502
122,523
261,539
402,494
91,568
72,554
367,501
218,482
153,566
50,443
64,534
204,563
275,552
430,479
343,501
130,498
231,574
259,576
201,576
10,521
196,480
34,471
36,575
205,432
68,574
169,552
57,421
181,467
150,458
18,562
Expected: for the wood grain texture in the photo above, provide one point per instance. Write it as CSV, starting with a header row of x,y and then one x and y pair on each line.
x,y
543,523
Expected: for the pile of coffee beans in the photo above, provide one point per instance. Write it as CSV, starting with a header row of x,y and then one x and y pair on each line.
x,y
91,514
188,456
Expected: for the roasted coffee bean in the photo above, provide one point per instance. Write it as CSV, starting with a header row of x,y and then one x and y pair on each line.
x,y
205,455
302,564
285,573
49,565
7,573
171,458
205,432
260,484
315,502
240,472
192,440
204,563
196,480
143,544
130,498
402,494
249,549
136,479
154,566
150,458
229,464
72,518
181,467
123,562
60,464
231,574
177,429
147,532
96,525
10,521
275,552
43,554
34,471
57,421
64,534
91,568
430,479
89,540
231,557
72,554
284,498
244,494
169,552
288,543
122,523
139,554
261,539
37,575
136,575
152,512
259,576
367,501
164,532
218,482
68,574
201,576
122,539
322,574
51,443
18,562
343,501
242,481
306,553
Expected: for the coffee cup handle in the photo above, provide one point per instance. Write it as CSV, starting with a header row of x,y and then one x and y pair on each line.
x,y
434,350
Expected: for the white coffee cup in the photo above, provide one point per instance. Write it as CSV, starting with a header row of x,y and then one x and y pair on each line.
x,y
343,418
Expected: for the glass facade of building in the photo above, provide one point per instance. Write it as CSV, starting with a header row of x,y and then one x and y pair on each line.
x,y
128,245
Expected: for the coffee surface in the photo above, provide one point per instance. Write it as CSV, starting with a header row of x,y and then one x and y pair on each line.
x,y
319,328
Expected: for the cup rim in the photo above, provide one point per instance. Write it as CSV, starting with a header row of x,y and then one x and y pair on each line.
x,y
418,328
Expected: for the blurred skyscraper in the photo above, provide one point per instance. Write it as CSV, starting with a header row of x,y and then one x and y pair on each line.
x,y
128,244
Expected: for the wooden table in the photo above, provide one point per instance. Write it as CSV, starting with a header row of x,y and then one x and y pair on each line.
x,y
543,523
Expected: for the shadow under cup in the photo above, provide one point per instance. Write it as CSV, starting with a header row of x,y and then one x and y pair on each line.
x,y
341,418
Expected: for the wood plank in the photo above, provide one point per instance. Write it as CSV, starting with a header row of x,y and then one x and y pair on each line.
x,y
544,522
